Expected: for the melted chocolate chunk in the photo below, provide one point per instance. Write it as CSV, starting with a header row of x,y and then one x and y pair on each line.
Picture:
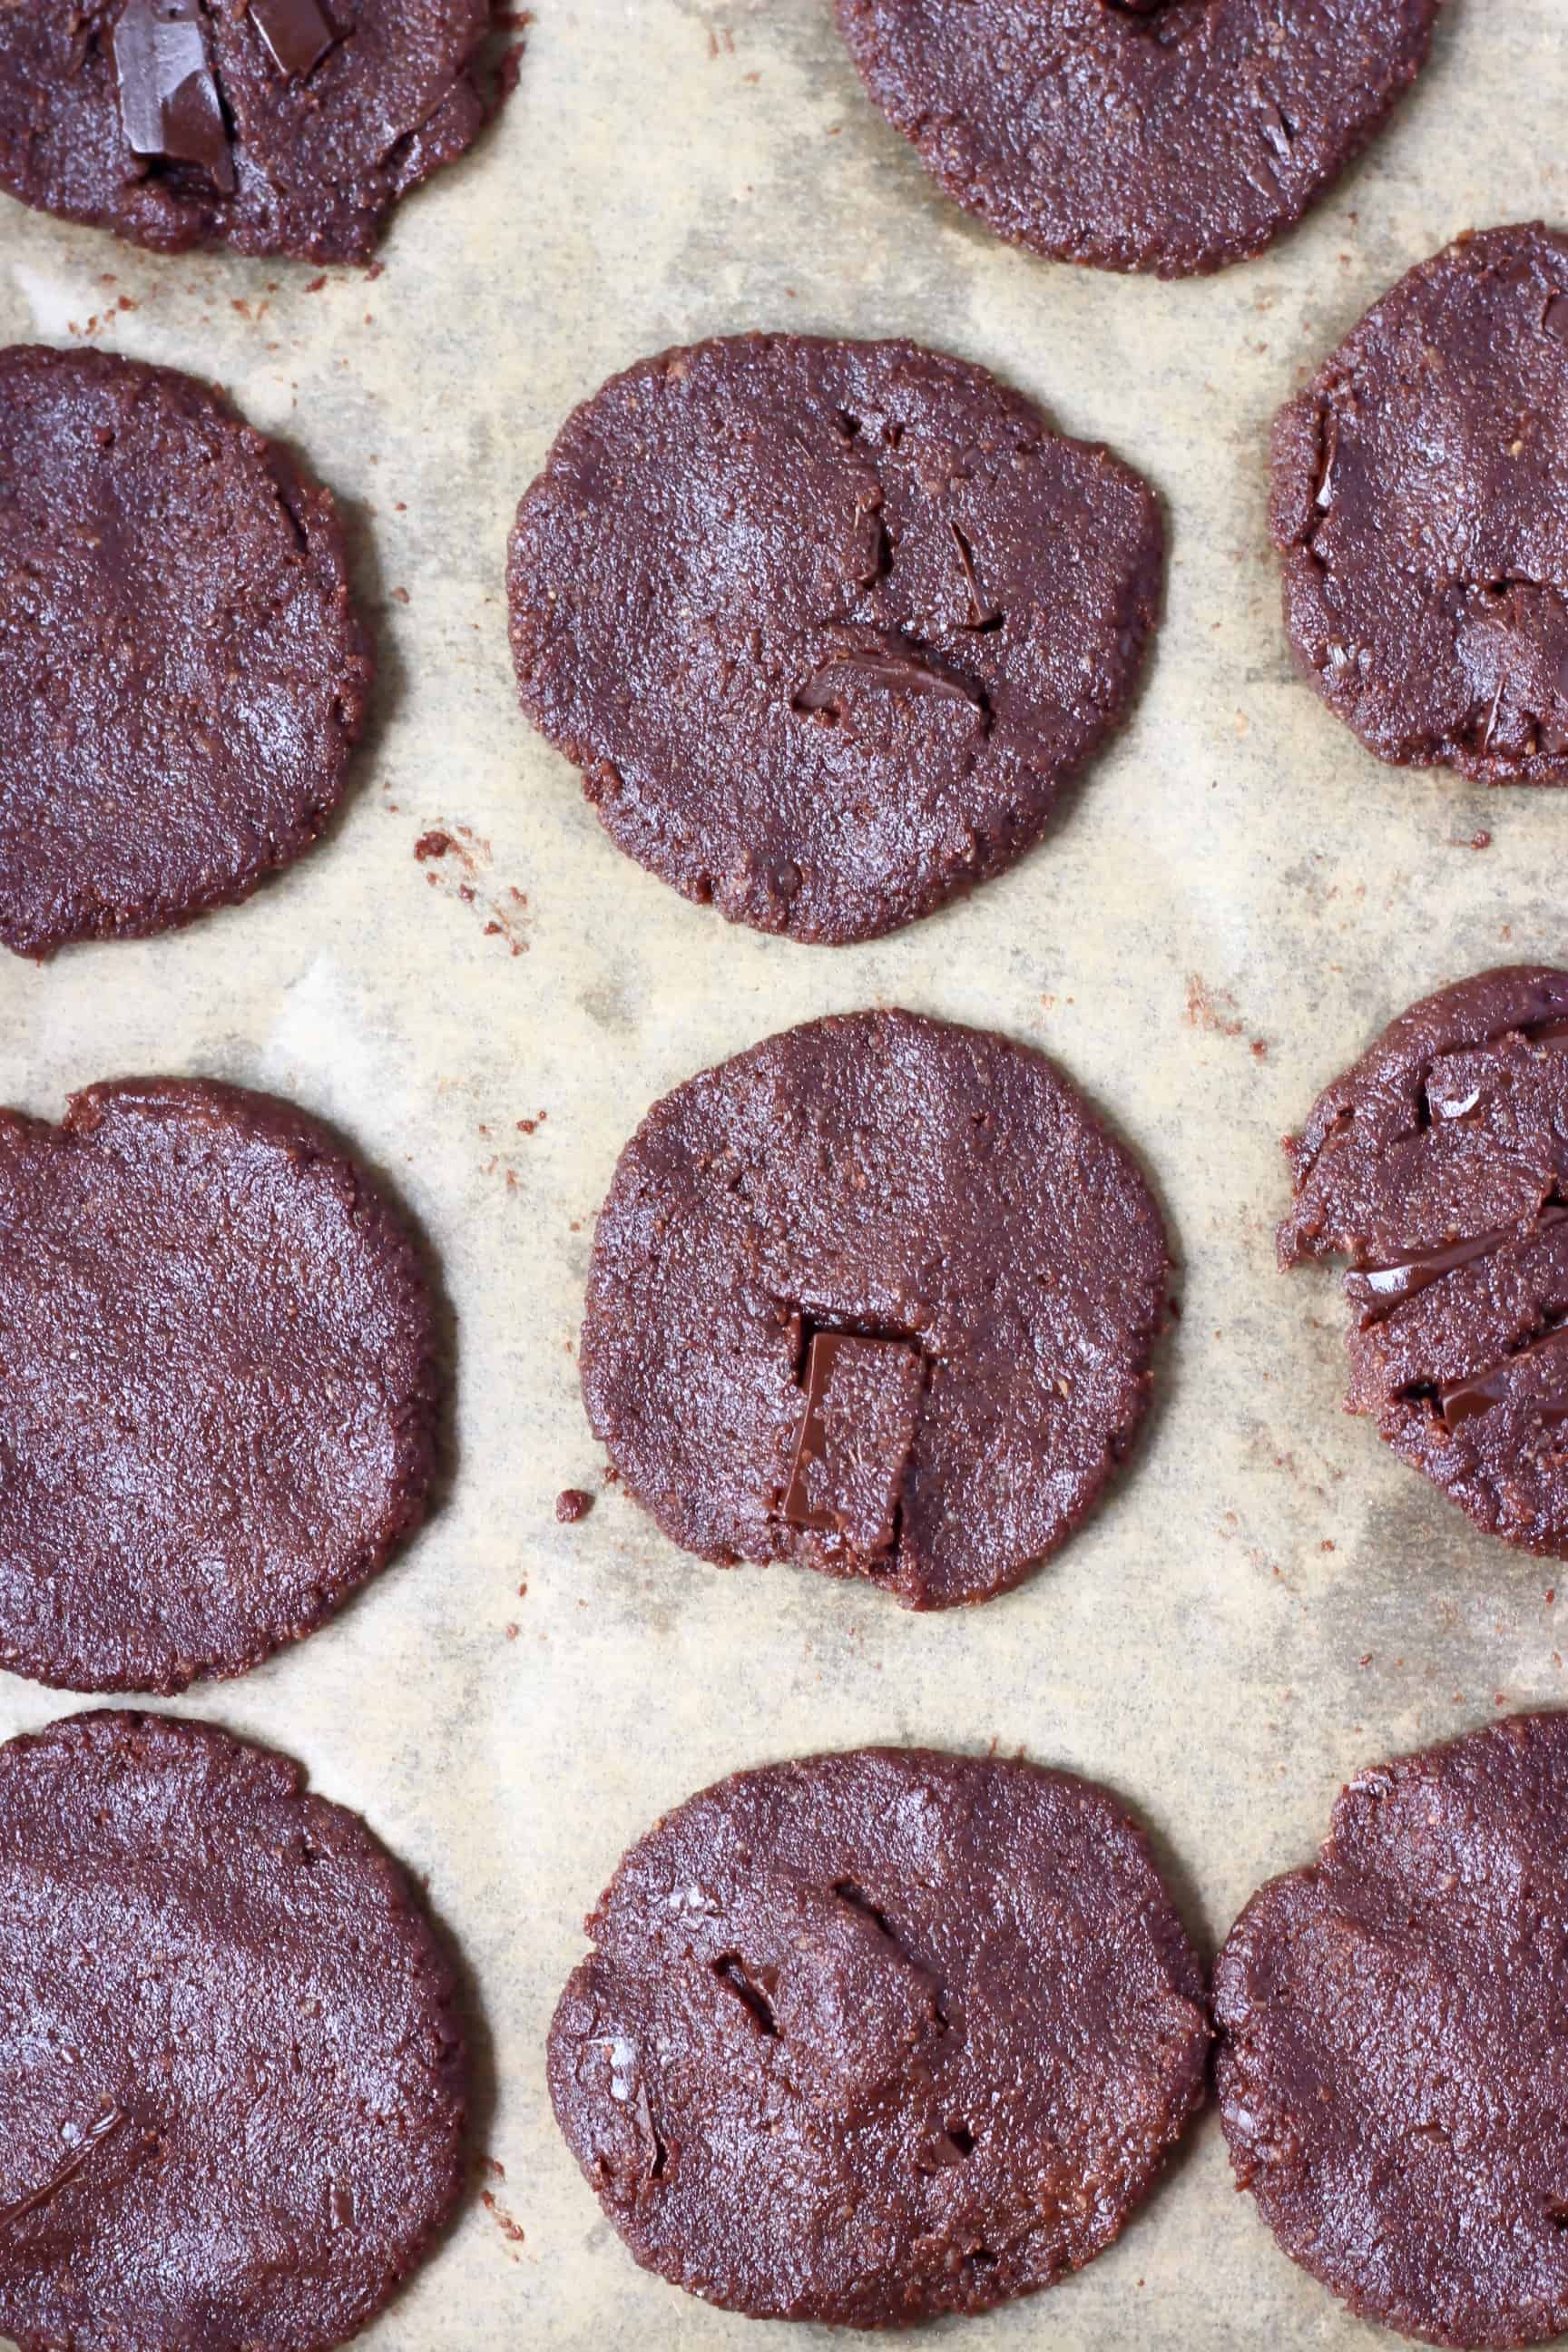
x,y
855,1431
1378,1290
168,100
870,2037
1462,1401
296,32
891,670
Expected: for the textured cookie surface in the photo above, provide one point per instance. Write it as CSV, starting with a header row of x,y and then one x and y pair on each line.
x,y
1421,507
1438,1167
1165,135
878,1296
273,126
1392,2028
217,1403
182,672
232,2073
826,625
872,2037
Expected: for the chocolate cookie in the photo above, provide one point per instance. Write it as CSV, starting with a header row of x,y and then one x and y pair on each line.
x,y
826,625
218,1396
1421,506
272,126
182,672
873,2037
1168,135
1391,2029
232,2073
1438,1166
879,1296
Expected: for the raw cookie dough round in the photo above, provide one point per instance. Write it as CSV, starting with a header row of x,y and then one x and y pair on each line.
x,y
218,1397
232,2073
1165,135
182,672
1393,2023
1438,1166
872,2037
1421,506
273,126
879,1296
826,625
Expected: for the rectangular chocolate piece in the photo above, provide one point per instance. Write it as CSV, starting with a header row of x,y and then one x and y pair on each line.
x,y
296,33
862,1397
168,100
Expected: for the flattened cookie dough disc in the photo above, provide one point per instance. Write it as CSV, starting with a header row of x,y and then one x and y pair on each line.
x,y
182,674
826,625
879,1296
872,2037
232,2073
1421,506
1392,2028
272,126
1166,135
218,1399
1438,1167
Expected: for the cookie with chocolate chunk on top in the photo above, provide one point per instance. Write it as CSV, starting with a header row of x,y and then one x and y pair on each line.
x,y
284,126
1438,1169
878,1296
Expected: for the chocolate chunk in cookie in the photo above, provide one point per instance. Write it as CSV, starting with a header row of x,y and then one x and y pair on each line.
x,y
273,126
878,1296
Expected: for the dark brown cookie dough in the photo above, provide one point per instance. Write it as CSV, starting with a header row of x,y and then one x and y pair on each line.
x,y
1421,506
218,1396
1438,1167
182,674
1392,2028
273,126
1165,135
826,625
232,2073
873,2037
878,1296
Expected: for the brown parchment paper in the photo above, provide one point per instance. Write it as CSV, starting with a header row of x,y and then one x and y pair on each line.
x,y
1236,899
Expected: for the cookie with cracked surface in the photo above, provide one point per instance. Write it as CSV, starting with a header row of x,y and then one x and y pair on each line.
x,y
872,2037
1174,136
233,2080
1420,503
878,1296
219,1398
287,127
1392,2024
182,674
1438,1167
826,625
